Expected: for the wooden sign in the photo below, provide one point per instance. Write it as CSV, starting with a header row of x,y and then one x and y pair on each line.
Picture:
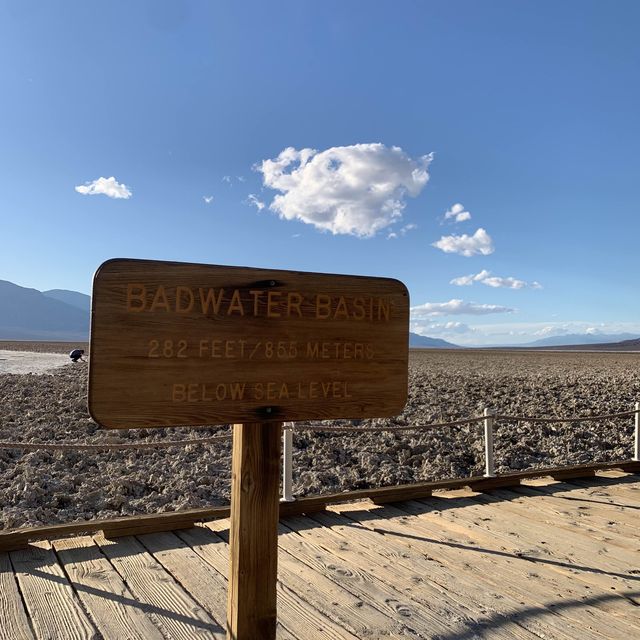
x,y
188,344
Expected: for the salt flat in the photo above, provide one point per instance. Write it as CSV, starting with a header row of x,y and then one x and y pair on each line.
x,y
44,487
30,362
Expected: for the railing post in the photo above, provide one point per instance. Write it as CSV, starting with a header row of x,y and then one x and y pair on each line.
x,y
287,463
489,467
636,448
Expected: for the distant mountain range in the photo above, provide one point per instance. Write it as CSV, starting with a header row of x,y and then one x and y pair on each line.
x,y
59,314
624,345
74,298
574,339
416,341
29,314
600,342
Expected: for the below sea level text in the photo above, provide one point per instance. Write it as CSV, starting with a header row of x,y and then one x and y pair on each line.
x,y
191,392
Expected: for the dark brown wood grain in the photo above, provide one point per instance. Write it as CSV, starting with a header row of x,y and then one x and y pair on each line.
x,y
184,344
253,536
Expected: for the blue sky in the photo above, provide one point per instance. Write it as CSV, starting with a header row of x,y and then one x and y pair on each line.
x,y
530,109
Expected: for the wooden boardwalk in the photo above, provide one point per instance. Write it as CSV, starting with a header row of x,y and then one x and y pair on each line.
x,y
553,560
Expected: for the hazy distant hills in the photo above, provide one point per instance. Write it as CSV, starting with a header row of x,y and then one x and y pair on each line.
x,y
624,345
74,298
598,342
417,341
581,339
29,314
59,314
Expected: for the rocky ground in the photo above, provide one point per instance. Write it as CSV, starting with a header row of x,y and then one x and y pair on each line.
x,y
50,487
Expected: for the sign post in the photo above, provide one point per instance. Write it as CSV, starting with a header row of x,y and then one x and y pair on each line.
x,y
175,344
255,484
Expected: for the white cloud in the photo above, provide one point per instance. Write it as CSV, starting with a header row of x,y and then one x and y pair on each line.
x,y
458,212
105,186
253,200
357,190
485,277
443,328
231,179
208,199
479,243
402,231
550,331
457,307
462,281
466,281
505,283
566,328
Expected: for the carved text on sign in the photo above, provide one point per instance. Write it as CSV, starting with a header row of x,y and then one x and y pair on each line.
x,y
267,349
255,302
184,344
259,391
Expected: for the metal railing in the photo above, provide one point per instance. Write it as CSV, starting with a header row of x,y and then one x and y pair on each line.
x,y
489,419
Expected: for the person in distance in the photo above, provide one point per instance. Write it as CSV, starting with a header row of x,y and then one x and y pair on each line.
x,y
76,355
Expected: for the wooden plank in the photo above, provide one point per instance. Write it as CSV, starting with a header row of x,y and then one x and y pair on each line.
x,y
381,495
255,486
307,589
304,621
501,517
294,611
591,492
323,594
186,344
488,484
492,573
632,466
539,595
366,581
628,486
494,612
614,523
133,525
561,474
418,594
19,538
15,623
50,600
615,473
199,579
560,563
417,490
112,607
177,614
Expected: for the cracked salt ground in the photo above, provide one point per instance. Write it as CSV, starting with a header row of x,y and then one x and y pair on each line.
x,y
42,487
